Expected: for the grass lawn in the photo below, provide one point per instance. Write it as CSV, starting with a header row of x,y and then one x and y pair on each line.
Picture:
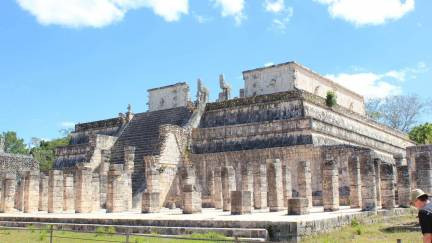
x,y
36,235
385,232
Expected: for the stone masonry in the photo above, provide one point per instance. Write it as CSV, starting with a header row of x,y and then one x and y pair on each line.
x,y
355,182
228,185
403,186
275,185
423,163
31,192
304,180
330,186
55,191
388,186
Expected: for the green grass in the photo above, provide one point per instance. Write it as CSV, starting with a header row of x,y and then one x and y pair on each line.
x,y
380,232
33,235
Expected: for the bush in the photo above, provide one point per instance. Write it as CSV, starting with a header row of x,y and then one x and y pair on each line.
x,y
331,99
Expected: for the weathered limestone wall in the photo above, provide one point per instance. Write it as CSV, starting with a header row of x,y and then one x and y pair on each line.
x,y
90,152
290,76
269,80
412,154
168,97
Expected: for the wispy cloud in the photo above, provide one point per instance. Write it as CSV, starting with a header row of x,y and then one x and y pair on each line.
x,y
98,13
232,8
378,85
268,64
282,14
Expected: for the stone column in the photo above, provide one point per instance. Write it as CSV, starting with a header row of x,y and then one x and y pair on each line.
x,y
260,186
330,186
151,197
103,176
8,193
246,180
19,195
210,187
192,202
304,181
424,171
129,157
377,164
43,193
55,191
31,192
287,184
83,189
116,190
217,196
228,185
369,185
241,202
68,193
388,186
355,182
403,186
95,184
274,183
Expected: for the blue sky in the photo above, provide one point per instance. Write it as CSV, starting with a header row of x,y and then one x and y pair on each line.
x,y
63,62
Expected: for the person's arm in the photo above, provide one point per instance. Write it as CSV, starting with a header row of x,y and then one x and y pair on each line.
x,y
427,238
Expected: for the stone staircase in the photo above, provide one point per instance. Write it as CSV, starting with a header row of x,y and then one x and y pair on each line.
x,y
142,132
174,228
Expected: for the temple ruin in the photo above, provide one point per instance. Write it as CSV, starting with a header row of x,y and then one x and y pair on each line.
x,y
278,147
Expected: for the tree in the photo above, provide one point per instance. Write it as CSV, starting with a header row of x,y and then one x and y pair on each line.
x,y
422,134
45,152
13,144
401,112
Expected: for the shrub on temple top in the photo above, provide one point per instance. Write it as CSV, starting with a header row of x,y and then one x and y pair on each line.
x,y
331,99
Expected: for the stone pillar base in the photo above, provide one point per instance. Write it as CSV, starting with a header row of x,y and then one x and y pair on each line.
x,y
241,202
298,206
192,200
151,202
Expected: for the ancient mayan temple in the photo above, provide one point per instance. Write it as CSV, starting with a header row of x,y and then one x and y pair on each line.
x,y
278,146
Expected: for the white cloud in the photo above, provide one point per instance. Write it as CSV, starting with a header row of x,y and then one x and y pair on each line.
x,y
98,13
268,64
232,8
275,6
282,14
376,85
280,23
67,124
368,12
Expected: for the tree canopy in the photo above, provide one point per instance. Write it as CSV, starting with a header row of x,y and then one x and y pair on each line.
x,y
45,152
422,134
401,112
13,144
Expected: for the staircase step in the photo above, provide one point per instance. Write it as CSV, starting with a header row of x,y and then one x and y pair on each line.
x,y
249,233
